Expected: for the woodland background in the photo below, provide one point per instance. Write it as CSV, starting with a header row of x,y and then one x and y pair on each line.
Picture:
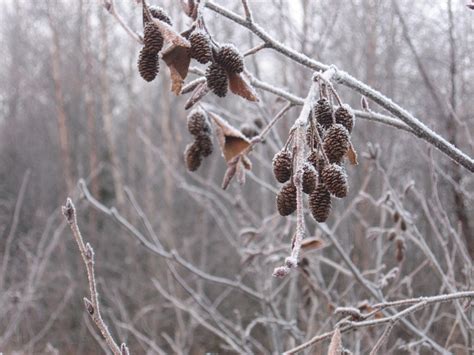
x,y
73,106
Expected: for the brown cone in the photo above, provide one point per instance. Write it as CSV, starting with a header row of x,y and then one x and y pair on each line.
x,y
200,47
335,179
320,203
345,116
317,161
204,142
198,122
282,166
192,156
310,178
336,143
152,38
217,81
158,13
286,199
148,65
323,112
230,58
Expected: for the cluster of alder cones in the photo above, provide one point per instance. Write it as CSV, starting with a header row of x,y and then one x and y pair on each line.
x,y
200,128
148,63
324,175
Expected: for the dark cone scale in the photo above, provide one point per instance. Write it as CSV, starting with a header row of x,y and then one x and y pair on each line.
x,y
286,199
320,203
317,161
217,81
310,178
198,122
192,156
345,116
152,38
336,143
335,179
230,58
204,142
282,166
158,13
323,112
200,47
148,64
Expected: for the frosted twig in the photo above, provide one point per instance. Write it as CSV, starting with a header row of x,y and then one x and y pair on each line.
x,y
247,11
109,5
255,49
87,253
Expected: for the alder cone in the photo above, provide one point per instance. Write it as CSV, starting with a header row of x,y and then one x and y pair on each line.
x,y
345,117
192,156
320,203
336,143
317,161
286,199
323,113
152,38
310,178
230,58
282,166
311,135
158,13
198,122
217,80
335,179
204,142
200,47
148,65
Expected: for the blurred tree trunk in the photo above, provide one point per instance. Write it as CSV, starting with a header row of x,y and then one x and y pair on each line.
x,y
107,112
61,115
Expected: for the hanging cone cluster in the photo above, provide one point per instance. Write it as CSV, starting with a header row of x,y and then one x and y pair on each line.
x,y
217,80
158,13
148,65
320,203
200,47
282,166
345,117
200,128
336,143
230,58
323,113
310,178
335,179
286,199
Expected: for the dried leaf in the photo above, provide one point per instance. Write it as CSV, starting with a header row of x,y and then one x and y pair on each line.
x,y
177,58
239,86
352,155
246,162
200,91
231,141
335,347
311,243
191,86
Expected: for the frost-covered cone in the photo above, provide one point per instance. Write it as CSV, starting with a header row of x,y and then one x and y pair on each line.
x,y
152,38
282,166
200,47
335,179
317,160
217,80
192,156
230,58
286,199
320,203
158,13
248,130
345,116
310,178
198,122
311,135
148,65
323,112
204,142
336,143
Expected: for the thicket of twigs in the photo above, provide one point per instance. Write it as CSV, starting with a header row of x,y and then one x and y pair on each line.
x,y
244,177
